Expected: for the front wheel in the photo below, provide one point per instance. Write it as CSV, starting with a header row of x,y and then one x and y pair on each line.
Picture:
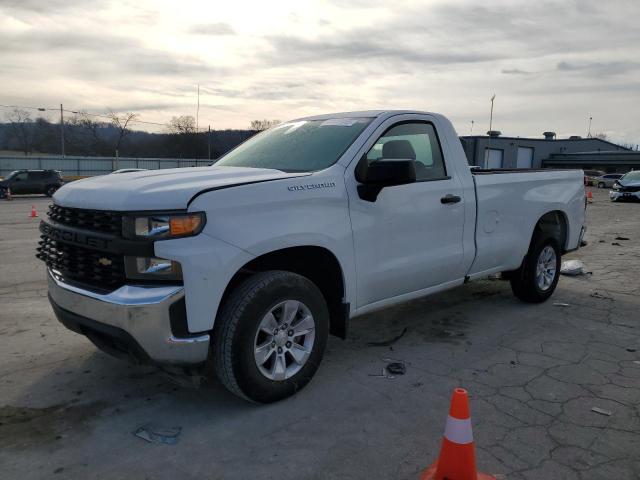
x,y
270,336
3,192
537,277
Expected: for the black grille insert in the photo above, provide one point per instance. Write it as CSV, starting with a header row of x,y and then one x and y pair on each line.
x,y
94,220
103,271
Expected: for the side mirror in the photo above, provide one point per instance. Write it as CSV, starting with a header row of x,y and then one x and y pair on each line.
x,y
383,173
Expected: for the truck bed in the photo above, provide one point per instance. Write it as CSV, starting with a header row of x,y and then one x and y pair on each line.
x,y
509,203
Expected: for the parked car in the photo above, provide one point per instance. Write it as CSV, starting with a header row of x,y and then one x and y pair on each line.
x,y
245,267
31,181
593,175
607,180
626,188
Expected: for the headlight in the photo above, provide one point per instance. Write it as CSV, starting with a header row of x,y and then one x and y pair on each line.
x,y
164,226
152,268
616,186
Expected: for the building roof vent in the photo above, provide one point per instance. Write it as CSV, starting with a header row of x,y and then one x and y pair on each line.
x,y
494,133
549,135
575,137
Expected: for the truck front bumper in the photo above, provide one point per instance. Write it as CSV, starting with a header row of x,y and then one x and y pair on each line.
x,y
132,321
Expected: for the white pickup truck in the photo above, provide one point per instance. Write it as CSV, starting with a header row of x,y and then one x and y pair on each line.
x,y
244,268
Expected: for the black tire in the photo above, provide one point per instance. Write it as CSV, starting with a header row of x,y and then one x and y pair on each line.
x,y
3,192
523,280
232,349
50,190
601,185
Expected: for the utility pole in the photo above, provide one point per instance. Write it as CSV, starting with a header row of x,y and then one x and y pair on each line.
x,y
491,115
209,143
471,127
488,150
589,130
198,110
61,131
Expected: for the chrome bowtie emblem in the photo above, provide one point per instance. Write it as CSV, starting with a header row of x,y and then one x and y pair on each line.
x,y
105,262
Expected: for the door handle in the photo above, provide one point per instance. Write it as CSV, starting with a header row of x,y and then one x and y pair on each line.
x,y
448,198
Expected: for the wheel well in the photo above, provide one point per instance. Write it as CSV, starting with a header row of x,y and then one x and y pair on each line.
x,y
555,224
315,263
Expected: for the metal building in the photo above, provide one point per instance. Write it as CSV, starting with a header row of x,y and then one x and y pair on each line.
x,y
496,151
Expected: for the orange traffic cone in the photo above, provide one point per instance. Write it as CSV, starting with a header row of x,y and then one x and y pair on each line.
x,y
457,459
589,196
34,214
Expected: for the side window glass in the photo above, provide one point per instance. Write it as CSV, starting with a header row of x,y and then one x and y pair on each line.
x,y
22,176
411,141
35,176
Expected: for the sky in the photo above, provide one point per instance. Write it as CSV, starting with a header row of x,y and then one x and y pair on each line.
x,y
551,64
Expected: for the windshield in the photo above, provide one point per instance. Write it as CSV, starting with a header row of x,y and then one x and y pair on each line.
x,y
302,146
632,176
12,174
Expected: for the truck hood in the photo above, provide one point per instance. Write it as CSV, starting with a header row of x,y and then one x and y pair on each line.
x,y
157,189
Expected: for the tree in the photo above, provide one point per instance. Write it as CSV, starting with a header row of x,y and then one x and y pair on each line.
x,y
22,128
185,141
121,124
260,125
83,135
182,125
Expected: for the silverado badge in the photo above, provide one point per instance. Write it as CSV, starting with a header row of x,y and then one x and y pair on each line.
x,y
105,262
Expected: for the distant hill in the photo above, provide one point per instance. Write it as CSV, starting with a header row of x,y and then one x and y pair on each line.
x,y
41,137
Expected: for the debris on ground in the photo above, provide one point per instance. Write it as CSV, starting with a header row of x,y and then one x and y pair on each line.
x,y
616,244
631,349
560,304
573,267
384,374
621,238
602,411
397,368
583,243
158,434
599,295
391,341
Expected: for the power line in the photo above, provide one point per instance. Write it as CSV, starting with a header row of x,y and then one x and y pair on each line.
x,y
77,112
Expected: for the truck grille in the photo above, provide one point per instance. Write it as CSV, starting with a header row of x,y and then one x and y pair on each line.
x,y
100,270
94,220
94,269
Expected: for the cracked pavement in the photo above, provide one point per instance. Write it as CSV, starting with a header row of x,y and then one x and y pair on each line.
x,y
534,373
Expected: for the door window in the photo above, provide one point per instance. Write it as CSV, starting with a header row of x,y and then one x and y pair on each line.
x,y
36,176
20,177
411,141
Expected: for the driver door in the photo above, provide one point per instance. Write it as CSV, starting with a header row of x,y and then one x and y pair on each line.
x,y
410,237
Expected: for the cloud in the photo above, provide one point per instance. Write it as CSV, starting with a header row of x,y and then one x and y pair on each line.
x,y
219,28
515,71
598,69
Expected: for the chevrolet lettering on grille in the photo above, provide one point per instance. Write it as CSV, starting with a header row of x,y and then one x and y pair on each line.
x,y
57,234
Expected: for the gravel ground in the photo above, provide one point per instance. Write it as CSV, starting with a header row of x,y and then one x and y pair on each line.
x,y
534,373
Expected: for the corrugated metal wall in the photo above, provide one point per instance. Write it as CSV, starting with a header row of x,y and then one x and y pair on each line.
x,y
85,166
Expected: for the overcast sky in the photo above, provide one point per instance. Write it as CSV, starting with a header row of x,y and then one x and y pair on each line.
x,y
552,64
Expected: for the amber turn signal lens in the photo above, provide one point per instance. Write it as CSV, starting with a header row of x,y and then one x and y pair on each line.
x,y
184,224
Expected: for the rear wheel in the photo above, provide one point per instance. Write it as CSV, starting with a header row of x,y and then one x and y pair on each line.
x,y
537,277
3,192
270,336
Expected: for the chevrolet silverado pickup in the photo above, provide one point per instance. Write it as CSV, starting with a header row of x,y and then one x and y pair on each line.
x,y
242,269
